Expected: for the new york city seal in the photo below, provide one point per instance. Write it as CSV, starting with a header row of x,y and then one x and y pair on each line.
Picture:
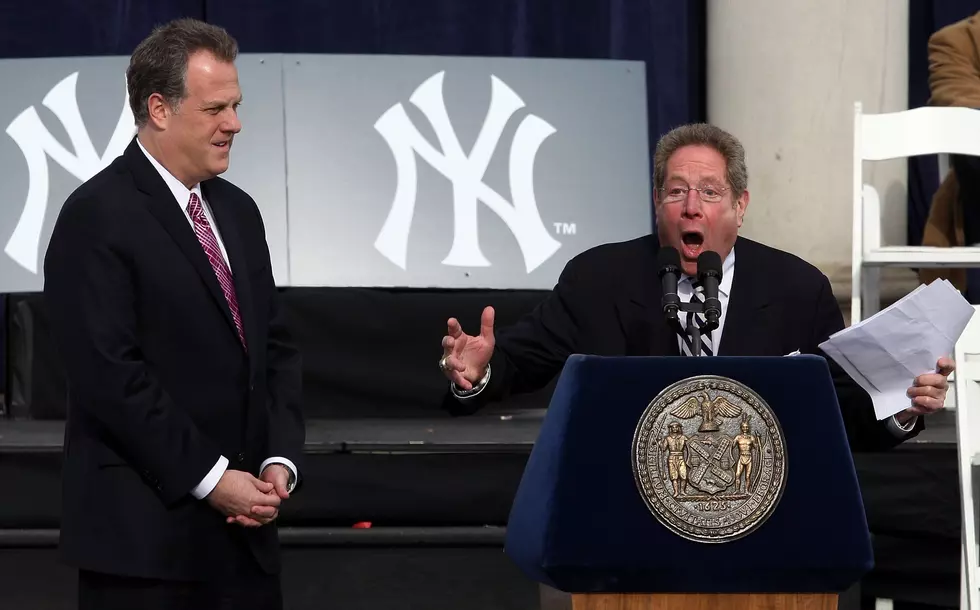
x,y
709,459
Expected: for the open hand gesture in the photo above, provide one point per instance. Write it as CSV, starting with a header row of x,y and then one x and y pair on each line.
x,y
465,357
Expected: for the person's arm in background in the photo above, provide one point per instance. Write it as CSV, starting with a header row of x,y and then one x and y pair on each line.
x,y
954,80
954,76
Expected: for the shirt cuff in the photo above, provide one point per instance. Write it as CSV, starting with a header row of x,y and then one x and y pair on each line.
x,y
899,429
208,483
466,394
289,466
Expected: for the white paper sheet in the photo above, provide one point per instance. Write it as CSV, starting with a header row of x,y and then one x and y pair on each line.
x,y
887,351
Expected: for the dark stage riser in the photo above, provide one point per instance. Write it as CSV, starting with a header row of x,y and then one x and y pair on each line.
x,y
412,570
428,492
437,494
367,352
450,471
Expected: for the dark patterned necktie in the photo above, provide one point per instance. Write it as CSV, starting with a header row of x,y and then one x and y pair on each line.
x,y
687,348
202,228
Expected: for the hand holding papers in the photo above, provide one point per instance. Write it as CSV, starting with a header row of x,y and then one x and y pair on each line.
x,y
886,352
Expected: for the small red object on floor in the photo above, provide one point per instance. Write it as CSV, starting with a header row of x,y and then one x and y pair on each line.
x,y
362,525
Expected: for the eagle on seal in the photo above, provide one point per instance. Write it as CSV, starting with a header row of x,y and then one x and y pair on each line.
x,y
710,410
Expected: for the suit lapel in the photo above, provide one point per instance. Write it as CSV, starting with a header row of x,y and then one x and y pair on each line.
x,y
640,313
647,332
749,296
225,218
160,201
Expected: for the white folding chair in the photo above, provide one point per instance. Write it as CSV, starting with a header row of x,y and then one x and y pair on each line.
x,y
877,137
967,386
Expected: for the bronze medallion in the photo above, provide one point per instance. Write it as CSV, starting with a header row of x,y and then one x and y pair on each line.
x,y
709,459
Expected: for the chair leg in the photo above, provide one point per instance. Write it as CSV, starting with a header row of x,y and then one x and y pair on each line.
x,y
871,292
964,595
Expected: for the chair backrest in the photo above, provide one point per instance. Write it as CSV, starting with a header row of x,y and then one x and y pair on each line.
x,y
967,386
920,131
927,130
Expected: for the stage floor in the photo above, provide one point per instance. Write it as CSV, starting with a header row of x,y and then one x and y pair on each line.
x,y
503,432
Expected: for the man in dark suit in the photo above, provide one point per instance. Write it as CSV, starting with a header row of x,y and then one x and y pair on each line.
x,y
184,430
608,299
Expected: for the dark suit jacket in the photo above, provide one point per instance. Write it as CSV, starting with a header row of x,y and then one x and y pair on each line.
x,y
608,302
159,384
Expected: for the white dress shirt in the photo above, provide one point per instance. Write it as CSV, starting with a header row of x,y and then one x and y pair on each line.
x,y
182,196
685,290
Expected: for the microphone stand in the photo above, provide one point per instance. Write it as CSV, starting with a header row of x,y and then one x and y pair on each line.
x,y
697,329
672,306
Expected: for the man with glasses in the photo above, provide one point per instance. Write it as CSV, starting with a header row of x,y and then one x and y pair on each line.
x,y
608,299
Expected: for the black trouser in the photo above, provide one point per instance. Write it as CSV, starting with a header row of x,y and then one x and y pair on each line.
x,y
967,169
244,586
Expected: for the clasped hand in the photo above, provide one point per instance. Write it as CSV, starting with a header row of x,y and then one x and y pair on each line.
x,y
251,501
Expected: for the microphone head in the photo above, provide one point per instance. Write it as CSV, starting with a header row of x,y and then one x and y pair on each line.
x,y
709,274
709,264
668,260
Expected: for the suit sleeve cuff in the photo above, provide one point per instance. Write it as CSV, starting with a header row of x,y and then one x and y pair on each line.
x,y
466,394
289,466
899,429
208,483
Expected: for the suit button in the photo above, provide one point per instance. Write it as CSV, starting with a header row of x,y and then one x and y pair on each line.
x,y
240,457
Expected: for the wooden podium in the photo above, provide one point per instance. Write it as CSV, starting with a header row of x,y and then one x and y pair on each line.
x,y
583,523
690,601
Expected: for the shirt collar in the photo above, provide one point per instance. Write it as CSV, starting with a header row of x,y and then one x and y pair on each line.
x,y
181,193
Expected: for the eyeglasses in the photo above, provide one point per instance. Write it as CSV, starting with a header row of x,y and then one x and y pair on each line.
x,y
708,194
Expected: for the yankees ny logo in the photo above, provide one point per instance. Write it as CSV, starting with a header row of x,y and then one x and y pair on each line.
x,y
36,143
466,174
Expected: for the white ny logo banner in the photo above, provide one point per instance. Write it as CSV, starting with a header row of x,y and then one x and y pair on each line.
x,y
36,143
466,173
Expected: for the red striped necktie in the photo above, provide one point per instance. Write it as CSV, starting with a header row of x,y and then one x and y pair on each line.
x,y
202,228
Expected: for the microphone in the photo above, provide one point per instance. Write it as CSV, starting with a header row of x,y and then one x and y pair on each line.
x,y
709,274
669,263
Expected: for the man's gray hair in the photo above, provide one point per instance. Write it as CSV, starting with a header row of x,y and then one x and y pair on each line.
x,y
705,135
159,63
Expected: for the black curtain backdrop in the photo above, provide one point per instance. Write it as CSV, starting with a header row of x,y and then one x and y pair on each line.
x,y
666,34
925,18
